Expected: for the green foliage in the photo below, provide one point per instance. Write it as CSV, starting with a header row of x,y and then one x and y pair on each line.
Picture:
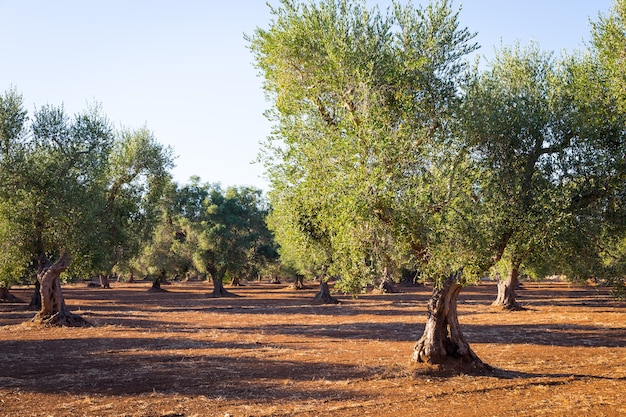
x,y
363,163
384,145
205,230
70,185
609,43
231,231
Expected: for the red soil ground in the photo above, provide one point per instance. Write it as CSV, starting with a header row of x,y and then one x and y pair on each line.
x,y
271,352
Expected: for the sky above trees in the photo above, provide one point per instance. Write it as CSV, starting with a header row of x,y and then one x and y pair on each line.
x,y
183,68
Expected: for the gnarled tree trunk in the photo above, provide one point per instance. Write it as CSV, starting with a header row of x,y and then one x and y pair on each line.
x,y
219,291
274,279
323,295
104,281
298,282
7,297
386,284
506,290
53,310
442,341
35,300
156,284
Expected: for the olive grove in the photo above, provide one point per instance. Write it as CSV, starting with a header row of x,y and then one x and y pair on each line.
x,y
389,150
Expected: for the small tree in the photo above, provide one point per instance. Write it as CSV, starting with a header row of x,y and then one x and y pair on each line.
x,y
229,228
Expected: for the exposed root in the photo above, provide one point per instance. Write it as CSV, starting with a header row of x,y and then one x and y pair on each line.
x,y
325,299
223,294
452,367
63,318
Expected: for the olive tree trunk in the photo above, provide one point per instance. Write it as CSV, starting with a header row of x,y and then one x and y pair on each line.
x,y
298,282
323,295
35,299
219,291
158,280
104,281
386,284
53,310
506,291
7,297
442,341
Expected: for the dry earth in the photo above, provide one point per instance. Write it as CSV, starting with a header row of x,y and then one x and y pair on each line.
x,y
270,352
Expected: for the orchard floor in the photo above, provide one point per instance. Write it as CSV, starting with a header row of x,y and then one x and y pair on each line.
x,y
271,352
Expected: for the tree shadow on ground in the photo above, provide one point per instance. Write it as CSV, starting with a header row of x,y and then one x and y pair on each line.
x,y
131,366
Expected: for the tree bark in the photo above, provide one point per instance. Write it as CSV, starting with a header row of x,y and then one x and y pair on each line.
x,y
35,300
386,285
298,282
53,310
156,284
323,295
104,281
218,285
442,341
7,297
274,279
506,291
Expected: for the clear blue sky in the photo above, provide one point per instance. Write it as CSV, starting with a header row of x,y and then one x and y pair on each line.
x,y
182,67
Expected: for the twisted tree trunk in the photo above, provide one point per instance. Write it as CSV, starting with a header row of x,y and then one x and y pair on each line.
x,y
506,291
386,284
53,310
323,295
443,341
104,281
298,282
156,284
35,299
217,276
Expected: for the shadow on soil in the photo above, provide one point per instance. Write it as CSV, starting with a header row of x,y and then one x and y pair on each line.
x,y
130,366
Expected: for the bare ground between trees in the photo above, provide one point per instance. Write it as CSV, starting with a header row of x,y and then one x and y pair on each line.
x,y
272,352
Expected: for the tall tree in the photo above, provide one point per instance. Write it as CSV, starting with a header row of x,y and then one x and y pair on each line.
x,y
137,177
364,143
170,248
13,120
520,119
52,187
60,206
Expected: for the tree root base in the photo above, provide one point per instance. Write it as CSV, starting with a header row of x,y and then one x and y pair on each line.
x,y
223,294
60,319
452,366
327,299
509,307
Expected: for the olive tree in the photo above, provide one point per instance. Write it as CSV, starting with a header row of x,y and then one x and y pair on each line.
x,y
520,121
365,160
229,227
609,47
69,200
